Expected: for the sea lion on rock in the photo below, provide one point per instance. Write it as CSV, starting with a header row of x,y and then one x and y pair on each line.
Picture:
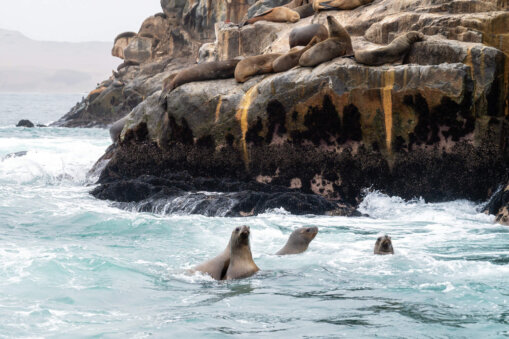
x,y
217,266
339,44
276,14
126,64
254,65
291,59
116,128
383,246
241,260
201,72
339,4
393,52
299,241
305,11
301,36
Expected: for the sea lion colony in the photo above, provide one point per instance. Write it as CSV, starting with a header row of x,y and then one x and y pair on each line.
x,y
236,260
321,45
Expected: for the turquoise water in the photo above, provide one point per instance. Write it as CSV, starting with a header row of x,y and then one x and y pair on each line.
x,y
72,266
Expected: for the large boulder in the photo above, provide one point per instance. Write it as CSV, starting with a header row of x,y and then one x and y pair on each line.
x,y
139,50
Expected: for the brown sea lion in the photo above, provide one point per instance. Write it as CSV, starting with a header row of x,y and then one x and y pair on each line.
x,y
254,65
338,4
299,241
216,267
241,260
201,72
127,64
339,44
291,59
116,128
383,246
305,10
301,36
276,14
393,52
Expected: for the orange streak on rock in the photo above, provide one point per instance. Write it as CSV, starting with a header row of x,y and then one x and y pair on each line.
x,y
242,116
388,83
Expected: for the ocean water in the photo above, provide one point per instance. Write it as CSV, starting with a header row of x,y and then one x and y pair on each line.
x,y
73,267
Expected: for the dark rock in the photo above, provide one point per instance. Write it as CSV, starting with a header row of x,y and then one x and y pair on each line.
x,y
25,123
15,155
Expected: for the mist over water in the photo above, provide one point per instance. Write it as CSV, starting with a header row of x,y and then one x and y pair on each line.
x,y
74,266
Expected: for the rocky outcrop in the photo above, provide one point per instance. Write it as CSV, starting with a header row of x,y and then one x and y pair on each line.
x,y
434,125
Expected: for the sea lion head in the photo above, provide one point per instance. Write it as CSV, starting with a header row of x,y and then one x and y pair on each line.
x,y
301,237
383,245
414,36
294,16
335,27
240,236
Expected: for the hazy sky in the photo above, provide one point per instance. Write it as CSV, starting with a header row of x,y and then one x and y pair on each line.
x,y
75,20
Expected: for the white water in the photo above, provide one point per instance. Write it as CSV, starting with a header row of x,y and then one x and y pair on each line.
x,y
73,266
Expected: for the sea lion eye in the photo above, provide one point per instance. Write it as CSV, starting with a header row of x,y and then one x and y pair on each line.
x,y
308,230
237,229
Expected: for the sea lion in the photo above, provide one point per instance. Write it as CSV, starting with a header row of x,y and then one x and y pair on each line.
x,y
121,42
291,59
126,64
217,266
299,241
241,260
254,65
305,10
339,4
383,246
339,44
393,52
200,72
301,36
117,128
276,14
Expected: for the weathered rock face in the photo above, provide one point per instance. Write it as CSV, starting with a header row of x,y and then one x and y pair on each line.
x,y
433,126
165,42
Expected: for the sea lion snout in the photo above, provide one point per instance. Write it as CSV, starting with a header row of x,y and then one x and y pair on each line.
x,y
311,232
384,245
243,231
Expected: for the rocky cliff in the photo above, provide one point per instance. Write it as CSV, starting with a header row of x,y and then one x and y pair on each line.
x,y
310,139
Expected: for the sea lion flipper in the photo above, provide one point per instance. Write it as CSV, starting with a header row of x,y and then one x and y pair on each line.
x,y
225,269
264,13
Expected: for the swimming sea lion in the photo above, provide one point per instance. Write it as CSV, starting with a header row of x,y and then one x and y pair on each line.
x,y
338,4
241,260
216,267
299,241
254,65
383,246
276,14
393,52
201,72
301,36
339,44
291,59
